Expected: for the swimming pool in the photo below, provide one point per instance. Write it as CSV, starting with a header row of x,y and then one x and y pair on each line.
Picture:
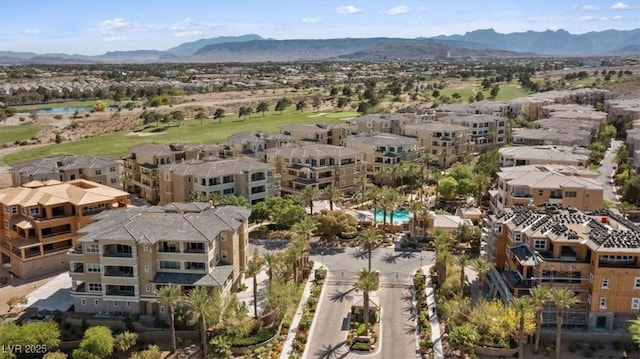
x,y
399,216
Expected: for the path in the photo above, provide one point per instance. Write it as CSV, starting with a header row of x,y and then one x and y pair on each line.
x,y
436,337
287,347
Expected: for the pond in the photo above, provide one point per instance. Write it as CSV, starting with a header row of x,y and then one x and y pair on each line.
x,y
63,110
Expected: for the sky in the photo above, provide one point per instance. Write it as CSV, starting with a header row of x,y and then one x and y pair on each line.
x,y
93,27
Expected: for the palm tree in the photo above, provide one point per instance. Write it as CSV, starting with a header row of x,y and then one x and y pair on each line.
x,y
390,201
539,297
624,208
437,176
201,303
295,250
271,260
634,330
374,193
562,298
331,194
442,241
362,182
304,229
482,182
522,306
253,269
482,266
171,296
398,173
367,239
310,194
415,207
367,282
443,155
462,261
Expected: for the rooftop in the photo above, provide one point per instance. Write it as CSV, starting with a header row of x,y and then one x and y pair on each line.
x,y
61,163
209,169
316,151
76,192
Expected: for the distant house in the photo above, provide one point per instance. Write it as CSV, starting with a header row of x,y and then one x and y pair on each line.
x,y
66,168
543,155
316,134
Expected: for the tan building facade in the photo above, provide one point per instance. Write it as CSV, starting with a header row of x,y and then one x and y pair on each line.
x,y
67,168
126,255
486,130
41,220
447,143
596,256
316,165
319,133
255,143
382,123
246,177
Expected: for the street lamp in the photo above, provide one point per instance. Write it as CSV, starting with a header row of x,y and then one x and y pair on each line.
x,y
421,259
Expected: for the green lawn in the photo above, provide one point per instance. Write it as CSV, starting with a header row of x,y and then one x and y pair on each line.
x,y
19,133
509,92
463,92
27,108
210,132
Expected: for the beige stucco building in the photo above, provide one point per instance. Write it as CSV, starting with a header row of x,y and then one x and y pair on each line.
x,y
447,143
316,165
246,177
41,220
67,168
126,255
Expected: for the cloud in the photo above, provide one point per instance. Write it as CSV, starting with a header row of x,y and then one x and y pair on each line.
x,y
620,6
396,10
587,18
617,17
32,31
310,20
120,25
348,10
421,9
114,38
590,8
187,33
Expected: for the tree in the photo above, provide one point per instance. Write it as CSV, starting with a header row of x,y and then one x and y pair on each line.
x,y
152,352
310,194
437,177
479,96
42,334
634,330
539,297
97,342
463,337
201,303
254,267
317,101
494,91
367,282
16,301
333,223
221,347
624,208
443,241
280,106
171,296
99,106
482,181
301,105
462,261
415,207
448,187
362,182
55,355
522,306
177,116
482,266
201,116
368,238
562,298
285,211
331,194
125,341
262,107
234,200
259,212
272,261
219,114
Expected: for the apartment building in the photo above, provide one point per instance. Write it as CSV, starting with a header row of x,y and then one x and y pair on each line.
x,y
382,123
383,150
242,176
447,143
543,155
140,168
316,134
67,168
551,136
596,256
486,130
555,184
126,255
620,108
41,220
255,143
316,165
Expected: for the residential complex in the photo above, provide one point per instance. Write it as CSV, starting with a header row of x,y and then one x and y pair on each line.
x,y
242,176
126,255
543,155
319,133
383,150
554,184
41,220
316,165
446,142
255,143
596,256
486,130
66,168
140,168
382,123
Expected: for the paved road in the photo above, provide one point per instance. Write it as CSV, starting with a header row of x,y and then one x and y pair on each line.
x,y
606,169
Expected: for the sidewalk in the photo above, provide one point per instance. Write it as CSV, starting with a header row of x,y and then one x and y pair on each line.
x,y
287,347
246,296
436,337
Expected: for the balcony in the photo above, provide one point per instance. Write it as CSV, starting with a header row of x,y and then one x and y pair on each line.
x,y
117,254
80,288
118,272
77,268
121,293
76,251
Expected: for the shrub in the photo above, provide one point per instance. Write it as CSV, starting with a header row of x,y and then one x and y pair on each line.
x,y
58,117
361,330
262,335
361,346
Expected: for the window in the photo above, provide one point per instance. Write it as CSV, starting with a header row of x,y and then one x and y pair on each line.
x,y
145,247
169,265
6,224
570,194
128,304
146,269
540,192
223,254
590,278
148,288
113,180
194,265
540,244
636,283
112,169
115,304
162,309
34,211
96,302
605,283
603,303
499,229
95,287
98,172
93,268
83,301
7,210
635,303
517,237
14,210
228,191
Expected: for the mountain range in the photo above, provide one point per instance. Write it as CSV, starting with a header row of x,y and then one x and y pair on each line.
x,y
253,48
